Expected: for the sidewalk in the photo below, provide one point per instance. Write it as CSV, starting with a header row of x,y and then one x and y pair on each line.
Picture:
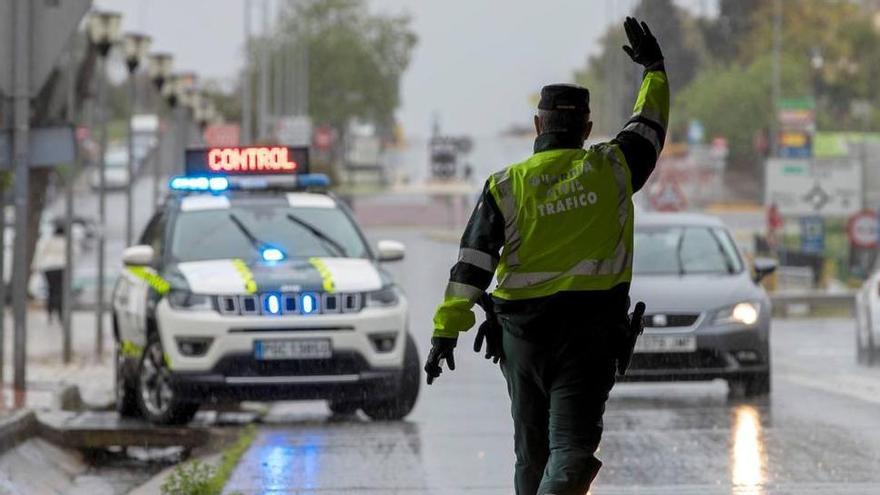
x,y
45,372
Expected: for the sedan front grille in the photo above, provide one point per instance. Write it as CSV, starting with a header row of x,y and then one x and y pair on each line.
x,y
307,303
661,320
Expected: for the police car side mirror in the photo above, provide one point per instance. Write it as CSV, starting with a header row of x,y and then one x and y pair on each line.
x,y
763,267
390,250
141,255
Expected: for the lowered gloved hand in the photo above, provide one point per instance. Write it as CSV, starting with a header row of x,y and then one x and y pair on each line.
x,y
643,49
441,348
490,331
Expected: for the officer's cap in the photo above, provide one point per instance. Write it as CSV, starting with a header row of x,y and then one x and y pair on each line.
x,y
565,97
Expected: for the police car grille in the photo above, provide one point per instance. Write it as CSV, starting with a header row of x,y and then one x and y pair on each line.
x,y
290,304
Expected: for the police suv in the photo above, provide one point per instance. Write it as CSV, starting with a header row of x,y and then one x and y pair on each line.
x,y
254,283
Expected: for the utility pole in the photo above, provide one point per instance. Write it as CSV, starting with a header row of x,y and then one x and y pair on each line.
x,y
247,117
20,159
777,76
262,116
67,280
102,203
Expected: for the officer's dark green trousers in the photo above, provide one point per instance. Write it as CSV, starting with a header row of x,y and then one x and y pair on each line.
x,y
558,378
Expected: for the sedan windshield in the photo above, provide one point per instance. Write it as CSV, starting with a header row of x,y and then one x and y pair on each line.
x,y
238,232
684,250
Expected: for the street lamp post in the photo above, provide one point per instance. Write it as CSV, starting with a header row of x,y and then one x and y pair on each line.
x,y
160,71
136,48
104,32
171,92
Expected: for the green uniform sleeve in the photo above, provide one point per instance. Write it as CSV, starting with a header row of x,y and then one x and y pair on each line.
x,y
643,136
471,275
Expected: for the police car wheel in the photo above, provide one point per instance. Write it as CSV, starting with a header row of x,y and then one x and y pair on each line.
x,y
155,395
126,395
399,407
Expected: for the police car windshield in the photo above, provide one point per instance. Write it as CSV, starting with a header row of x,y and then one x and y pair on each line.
x,y
214,234
684,250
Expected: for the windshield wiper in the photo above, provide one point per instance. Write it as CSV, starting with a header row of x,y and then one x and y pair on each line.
x,y
258,244
340,250
678,249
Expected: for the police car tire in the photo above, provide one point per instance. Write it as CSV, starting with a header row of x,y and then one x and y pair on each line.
x,y
126,395
178,412
401,405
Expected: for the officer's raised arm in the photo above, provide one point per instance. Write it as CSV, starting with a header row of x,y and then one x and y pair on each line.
x,y
642,138
468,280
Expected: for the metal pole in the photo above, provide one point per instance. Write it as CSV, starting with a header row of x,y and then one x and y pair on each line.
x,y
262,116
246,96
777,76
129,213
2,282
21,129
182,136
157,160
67,281
102,204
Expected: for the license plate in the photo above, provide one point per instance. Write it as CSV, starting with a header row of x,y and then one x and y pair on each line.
x,y
666,343
293,349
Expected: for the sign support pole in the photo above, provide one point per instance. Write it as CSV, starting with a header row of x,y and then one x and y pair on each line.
x,y
20,141
102,205
67,288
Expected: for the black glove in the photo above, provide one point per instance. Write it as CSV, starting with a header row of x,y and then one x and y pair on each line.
x,y
643,49
490,331
441,348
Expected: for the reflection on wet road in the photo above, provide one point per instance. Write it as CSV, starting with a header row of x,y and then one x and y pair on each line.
x,y
817,434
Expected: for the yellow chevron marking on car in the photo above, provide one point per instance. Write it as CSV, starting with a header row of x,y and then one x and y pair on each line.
x,y
130,349
250,285
326,276
153,279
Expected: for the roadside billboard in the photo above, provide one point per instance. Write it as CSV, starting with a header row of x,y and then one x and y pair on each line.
x,y
804,187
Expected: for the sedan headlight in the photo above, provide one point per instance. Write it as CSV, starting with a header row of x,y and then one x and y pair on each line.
x,y
745,313
384,297
184,299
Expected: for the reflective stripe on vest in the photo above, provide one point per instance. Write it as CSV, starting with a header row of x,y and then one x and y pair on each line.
x,y
479,259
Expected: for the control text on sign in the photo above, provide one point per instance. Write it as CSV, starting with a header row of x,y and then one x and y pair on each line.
x,y
264,159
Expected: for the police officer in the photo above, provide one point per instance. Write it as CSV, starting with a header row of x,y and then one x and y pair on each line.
x,y
562,221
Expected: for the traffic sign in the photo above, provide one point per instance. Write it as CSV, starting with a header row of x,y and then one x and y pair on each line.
x,y
323,138
667,196
48,147
217,135
52,24
813,235
863,228
806,187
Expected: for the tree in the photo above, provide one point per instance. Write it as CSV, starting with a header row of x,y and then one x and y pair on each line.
x,y
355,59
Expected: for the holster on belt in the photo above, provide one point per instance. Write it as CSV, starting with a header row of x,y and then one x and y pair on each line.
x,y
633,326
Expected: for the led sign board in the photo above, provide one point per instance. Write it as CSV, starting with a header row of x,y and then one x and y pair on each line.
x,y
247,160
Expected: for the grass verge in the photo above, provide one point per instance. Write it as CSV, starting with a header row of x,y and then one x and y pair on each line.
x,y
197,478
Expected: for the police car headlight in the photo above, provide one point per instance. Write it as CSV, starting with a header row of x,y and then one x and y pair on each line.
x,y
184,299
384,297
744,313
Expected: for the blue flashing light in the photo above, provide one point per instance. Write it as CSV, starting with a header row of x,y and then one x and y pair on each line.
x,y
212,184
308,303
272,304
272,254
313,180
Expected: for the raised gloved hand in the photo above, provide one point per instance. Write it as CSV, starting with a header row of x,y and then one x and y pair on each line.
x,y
643,47
441,348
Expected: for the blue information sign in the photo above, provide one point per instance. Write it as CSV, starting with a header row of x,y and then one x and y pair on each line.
x,y
812,235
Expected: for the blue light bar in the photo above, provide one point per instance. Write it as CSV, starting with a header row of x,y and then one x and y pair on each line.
x,y
212,184
272,304
272,254
308,303
312,180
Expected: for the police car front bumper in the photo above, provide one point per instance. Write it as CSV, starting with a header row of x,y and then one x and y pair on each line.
x,y
232,340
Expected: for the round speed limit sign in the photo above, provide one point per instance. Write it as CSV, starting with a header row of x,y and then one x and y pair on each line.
x,y
863,229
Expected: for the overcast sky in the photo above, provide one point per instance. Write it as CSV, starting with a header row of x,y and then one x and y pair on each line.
x,y
476,63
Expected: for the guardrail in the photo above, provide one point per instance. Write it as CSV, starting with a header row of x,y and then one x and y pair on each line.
x,y
811,303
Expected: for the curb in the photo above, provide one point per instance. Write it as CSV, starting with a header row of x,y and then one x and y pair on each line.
x,y
17,428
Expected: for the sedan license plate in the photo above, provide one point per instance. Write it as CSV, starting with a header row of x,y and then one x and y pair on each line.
x,y
292,349
666,343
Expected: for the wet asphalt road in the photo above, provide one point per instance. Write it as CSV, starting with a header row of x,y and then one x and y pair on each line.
x,y
819,433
